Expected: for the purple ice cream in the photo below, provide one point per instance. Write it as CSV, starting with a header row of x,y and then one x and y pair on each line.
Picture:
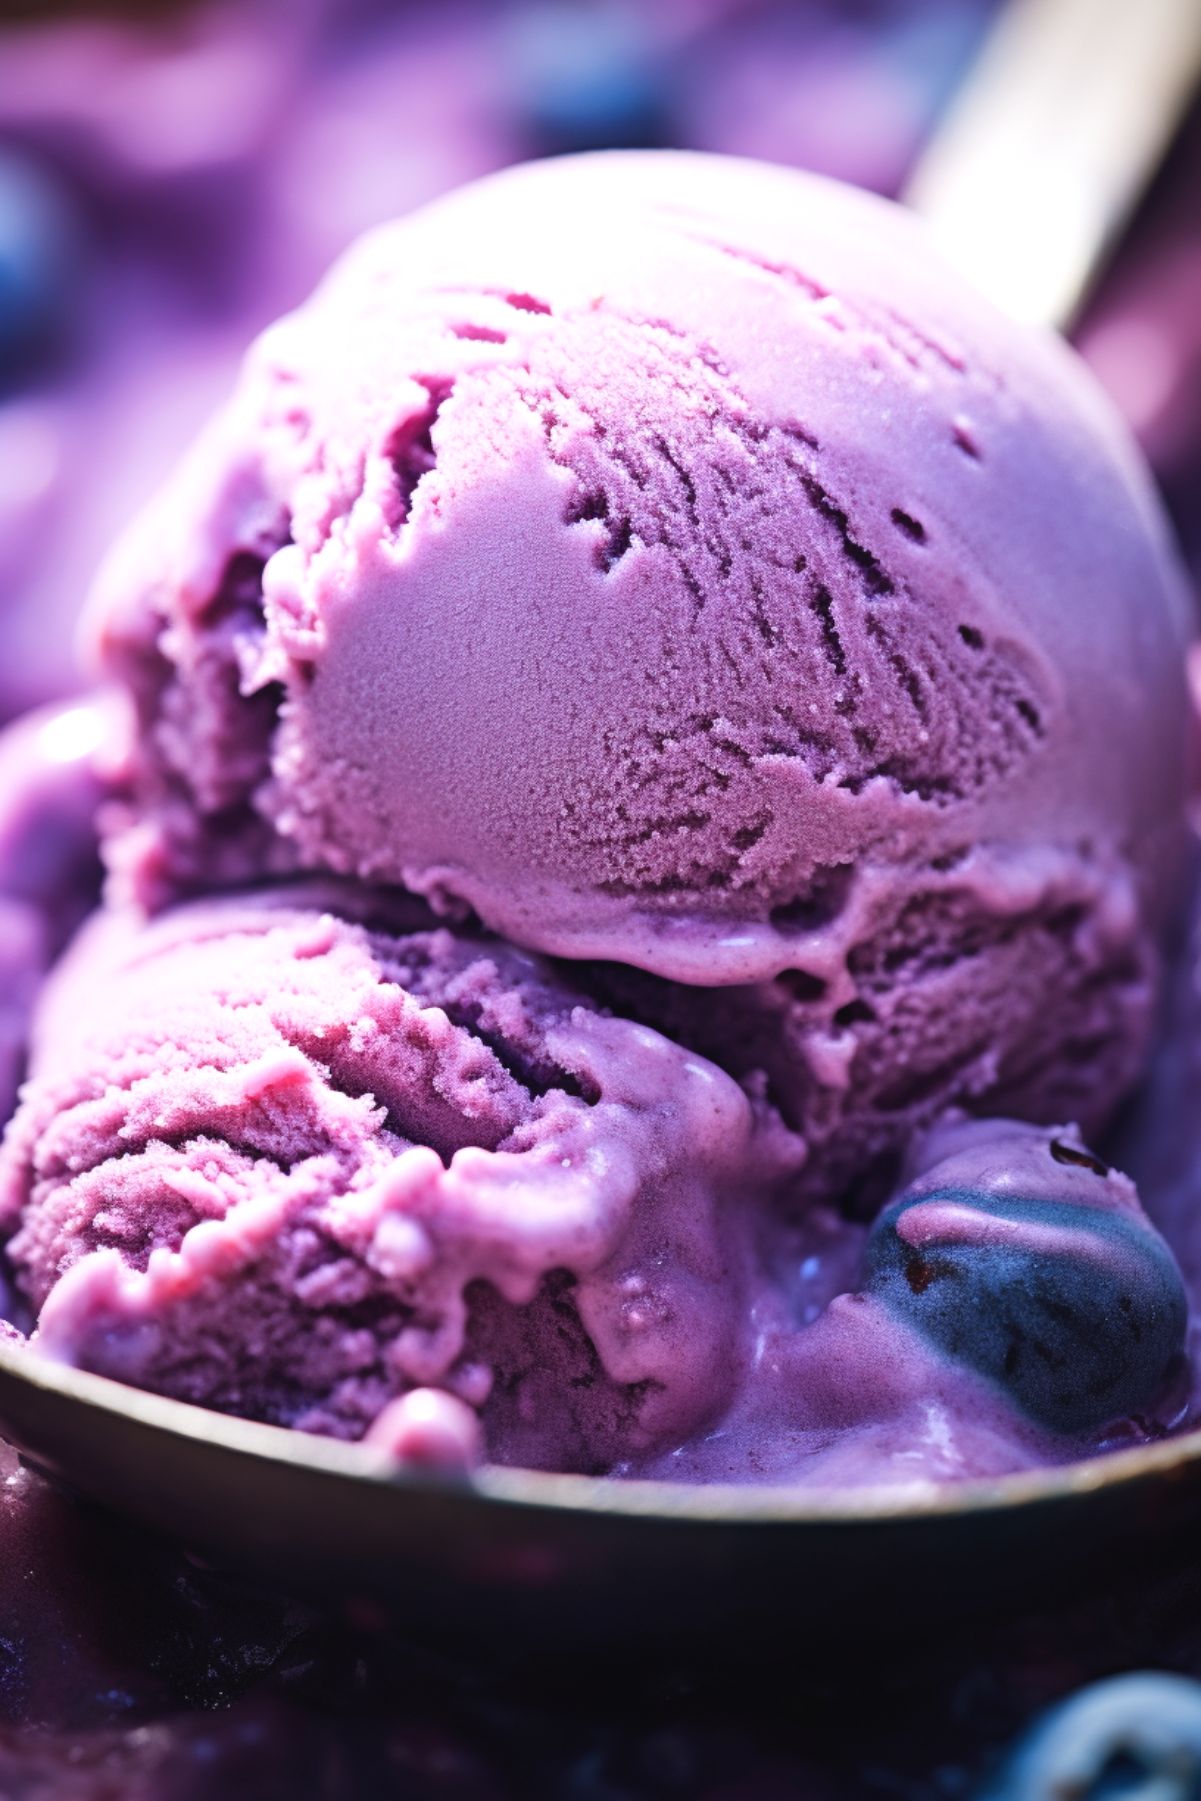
x,y
295,1162
665,558
302,1156
736,639
859,1394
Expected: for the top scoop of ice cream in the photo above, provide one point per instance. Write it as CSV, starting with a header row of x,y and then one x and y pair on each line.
x,y
628,548
667,559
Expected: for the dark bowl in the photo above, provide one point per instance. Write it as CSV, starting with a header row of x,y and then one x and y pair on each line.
x,y
528,1562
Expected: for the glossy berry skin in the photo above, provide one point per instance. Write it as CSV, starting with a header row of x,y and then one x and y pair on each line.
x,y
1078,1312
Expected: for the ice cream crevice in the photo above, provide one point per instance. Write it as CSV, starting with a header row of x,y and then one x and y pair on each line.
x,y
824,898
875,578
479,334
527,303
787,272
210,699
916,982
964,439
410,450
911,528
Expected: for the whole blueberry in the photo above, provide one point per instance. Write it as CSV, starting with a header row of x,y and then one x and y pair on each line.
x,y
1132,1738
1078,1312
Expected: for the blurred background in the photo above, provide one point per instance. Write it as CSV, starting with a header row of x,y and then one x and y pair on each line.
x,y
172,177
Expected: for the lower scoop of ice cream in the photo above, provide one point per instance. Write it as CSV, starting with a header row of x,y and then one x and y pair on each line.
x,y
295,1154
304,1155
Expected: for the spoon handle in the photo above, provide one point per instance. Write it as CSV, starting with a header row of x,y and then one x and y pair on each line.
x,y
1044,151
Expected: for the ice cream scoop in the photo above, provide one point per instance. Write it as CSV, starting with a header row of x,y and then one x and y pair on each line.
x,y
665,558
296,1154
304,1156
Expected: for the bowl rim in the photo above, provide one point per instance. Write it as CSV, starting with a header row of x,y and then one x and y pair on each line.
x,y
614,1497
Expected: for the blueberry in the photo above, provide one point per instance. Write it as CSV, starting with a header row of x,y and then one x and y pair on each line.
x,y
1132,1738
584,80
35,263
1077,1311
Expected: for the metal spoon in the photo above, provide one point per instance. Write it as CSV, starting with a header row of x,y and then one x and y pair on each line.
x,y
522,1561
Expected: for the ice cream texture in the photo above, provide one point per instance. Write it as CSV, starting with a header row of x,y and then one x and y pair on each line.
x,y
305,1156
667,560
641,863
294,1162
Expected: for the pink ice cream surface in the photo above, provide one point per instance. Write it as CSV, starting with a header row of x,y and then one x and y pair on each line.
x,y
667,559
533,521
296,1163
